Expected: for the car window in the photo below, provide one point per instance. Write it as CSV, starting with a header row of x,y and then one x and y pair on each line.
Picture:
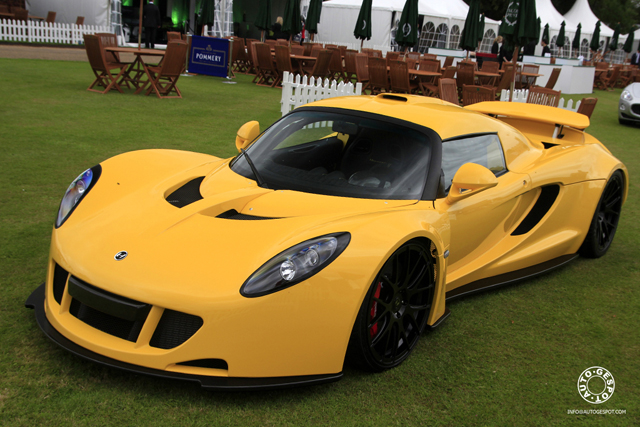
x,y
342,153
484,150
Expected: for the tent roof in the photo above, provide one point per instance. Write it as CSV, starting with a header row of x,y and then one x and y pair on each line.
x,y
455,9
581,13
549,15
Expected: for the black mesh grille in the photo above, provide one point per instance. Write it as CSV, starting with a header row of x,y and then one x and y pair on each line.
x,y
187,194
59,282
174,329
234,214
124,329
635,108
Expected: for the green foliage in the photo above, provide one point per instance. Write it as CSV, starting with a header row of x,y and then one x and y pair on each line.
x,y
508,357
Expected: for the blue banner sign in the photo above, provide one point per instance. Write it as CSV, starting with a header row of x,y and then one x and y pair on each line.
x,y
209,56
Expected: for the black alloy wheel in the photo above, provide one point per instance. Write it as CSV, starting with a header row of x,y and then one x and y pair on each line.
x,y
395,310
605,220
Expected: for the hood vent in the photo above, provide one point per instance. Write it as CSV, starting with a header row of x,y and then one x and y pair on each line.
x,y
234,214
187,194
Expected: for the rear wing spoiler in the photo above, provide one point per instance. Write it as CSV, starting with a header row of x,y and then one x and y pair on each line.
x,y
532,112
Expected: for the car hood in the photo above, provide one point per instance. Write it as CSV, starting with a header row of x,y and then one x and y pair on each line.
x,y
634,88
193,249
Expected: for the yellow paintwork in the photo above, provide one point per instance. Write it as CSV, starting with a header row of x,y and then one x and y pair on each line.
x,y
191,261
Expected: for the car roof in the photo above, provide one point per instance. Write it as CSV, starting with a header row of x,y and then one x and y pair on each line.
x,y
449,121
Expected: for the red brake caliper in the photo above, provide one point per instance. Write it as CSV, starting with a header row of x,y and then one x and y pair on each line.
x,y
374,310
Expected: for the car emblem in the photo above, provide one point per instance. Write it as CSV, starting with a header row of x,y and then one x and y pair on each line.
x,y
121,255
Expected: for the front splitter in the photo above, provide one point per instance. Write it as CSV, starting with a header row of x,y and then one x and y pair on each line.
x,y
36,302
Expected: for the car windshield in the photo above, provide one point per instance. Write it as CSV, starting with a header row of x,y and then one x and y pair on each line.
x,y
341,154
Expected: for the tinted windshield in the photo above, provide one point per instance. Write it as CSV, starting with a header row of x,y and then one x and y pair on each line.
x,y
341,155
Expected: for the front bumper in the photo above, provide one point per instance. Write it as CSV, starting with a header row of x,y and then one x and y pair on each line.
x,y
629,110
36,301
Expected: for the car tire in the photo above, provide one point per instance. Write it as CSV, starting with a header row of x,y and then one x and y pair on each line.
x,y
395,309
605,220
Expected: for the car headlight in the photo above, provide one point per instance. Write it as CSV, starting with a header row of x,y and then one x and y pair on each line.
x,y
295,265
76,192
626,95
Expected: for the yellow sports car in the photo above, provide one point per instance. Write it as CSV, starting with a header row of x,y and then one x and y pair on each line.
x,y
338,233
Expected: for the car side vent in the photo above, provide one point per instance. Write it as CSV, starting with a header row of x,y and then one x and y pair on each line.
x,y
187,194
548,145
547,198
234,214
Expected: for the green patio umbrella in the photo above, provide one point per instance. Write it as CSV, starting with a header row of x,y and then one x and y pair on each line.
x,y
525,26
614,40
628,45
469,36
595,38
407,34
313,17
538,29
206,12
292,23
362,30
263,20
545,33
561,37
576,39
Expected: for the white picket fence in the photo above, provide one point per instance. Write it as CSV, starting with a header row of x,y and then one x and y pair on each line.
x,y
297,90
520,95
43,32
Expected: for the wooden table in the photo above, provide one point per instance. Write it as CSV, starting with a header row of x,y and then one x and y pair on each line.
x,y
300,60
487,78
140,78
427,80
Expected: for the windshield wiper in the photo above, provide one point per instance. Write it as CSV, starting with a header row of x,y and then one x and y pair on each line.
x,y
261,182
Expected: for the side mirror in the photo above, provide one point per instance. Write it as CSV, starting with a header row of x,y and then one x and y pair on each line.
x,y
470,179
246,134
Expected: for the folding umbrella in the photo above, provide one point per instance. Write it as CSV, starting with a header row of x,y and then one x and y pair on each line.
x,y
614,40
481,29
561,37
407,34
362,30
595,38
469,36
538,29
292,23
313,17
576,39
545,33
263,20
628,45
525,26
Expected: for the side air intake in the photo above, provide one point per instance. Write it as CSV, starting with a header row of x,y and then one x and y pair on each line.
x,y
547,198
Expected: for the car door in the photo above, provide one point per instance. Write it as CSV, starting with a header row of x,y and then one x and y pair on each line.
x,y
479,223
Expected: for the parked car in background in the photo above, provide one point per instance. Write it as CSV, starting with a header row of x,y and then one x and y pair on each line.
x,y
629,105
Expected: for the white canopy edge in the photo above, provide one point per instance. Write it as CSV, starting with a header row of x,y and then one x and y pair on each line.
x,y
95,12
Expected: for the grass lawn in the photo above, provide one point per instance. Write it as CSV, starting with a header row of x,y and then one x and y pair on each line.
x,y
508,357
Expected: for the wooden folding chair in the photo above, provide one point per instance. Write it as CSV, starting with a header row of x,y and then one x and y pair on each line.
x,y
448,61
543,96
605,82
267,73
399,78
173,35
474,94
350,65
101,68
362,71
240,58
296,49
80,20
587,105
429,86
320,68
553,78
448,90
51,17
163,79
283,61
109,40
378,75
336,70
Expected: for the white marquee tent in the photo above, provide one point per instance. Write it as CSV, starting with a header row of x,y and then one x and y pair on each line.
x,y
339,18
581,12
95,12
